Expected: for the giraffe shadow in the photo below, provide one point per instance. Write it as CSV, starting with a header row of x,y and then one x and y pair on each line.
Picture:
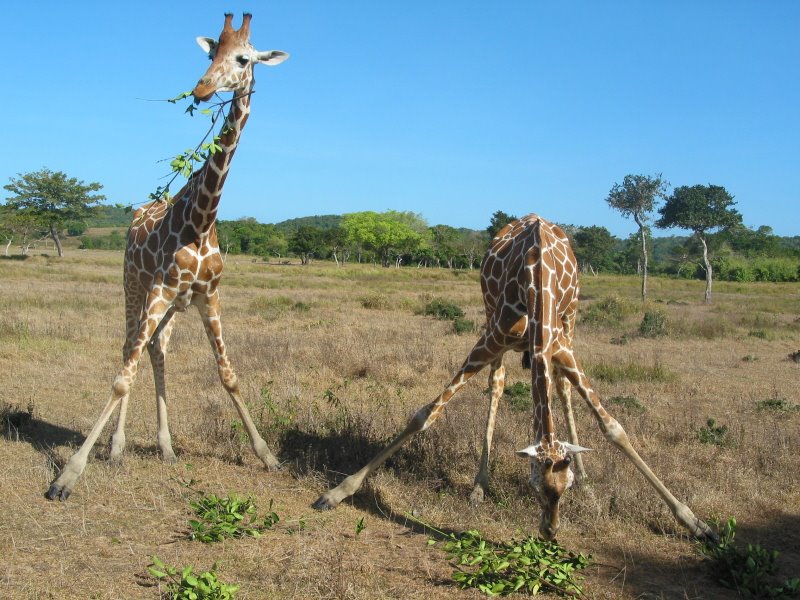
x,y
651,577
18,425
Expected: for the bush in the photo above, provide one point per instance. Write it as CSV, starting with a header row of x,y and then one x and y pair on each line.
x,y
375,301
442,309
519,396
609,311
715,434
654,324
463,325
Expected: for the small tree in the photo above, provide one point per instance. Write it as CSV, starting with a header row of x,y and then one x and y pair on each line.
x,y
593,247
52,199
498,221
701,209
637,198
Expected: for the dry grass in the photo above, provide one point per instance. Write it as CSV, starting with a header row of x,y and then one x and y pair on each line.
x,y
330,378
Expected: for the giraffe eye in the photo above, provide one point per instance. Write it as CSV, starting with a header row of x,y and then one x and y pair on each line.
x,y
568,459
242,60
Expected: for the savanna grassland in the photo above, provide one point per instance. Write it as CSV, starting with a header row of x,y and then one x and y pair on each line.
x,y
333,361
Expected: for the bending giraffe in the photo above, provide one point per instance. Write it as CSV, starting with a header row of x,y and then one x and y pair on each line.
x,y
173,260
529,282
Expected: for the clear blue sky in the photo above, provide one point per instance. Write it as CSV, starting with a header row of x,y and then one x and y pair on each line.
x,y
448,109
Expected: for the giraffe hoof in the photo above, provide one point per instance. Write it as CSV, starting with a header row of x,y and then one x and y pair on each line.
x,y
324,503
57,492
477,497
169,459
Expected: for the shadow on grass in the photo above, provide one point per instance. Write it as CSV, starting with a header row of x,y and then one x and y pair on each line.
x,y
646,576
18,425
335,454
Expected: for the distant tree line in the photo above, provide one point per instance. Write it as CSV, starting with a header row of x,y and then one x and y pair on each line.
x,y
51,204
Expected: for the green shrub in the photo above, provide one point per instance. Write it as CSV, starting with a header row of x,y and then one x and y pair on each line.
x,y
461,325
628,402
442,309
751,572
519,396
631,371
715,434
777,405
608,312
654,324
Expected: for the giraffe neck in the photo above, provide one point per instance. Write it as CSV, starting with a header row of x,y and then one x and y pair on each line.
x,y
205,196
543,425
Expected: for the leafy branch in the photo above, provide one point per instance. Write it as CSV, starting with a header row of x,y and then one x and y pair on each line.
x,y
751,571
228,517
497,569
188,585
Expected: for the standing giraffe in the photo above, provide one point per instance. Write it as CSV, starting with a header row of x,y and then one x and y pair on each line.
x,y
173,260
529,281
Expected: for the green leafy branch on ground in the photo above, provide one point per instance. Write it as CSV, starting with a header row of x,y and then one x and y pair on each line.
x,y
751,571
228,517
185,584
529,565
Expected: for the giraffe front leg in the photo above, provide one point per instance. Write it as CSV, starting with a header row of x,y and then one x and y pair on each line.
x,y
496,383
615,434
210,313
423,418
62,486
478,358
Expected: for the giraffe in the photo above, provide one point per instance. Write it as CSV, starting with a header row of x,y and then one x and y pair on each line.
x,y
529,282
173,261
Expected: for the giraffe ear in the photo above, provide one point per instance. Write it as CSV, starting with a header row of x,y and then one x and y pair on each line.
x,y
209,45
573,449
529,452
271,57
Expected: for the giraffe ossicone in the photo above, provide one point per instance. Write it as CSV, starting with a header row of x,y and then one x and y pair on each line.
x,y
172,260
529,281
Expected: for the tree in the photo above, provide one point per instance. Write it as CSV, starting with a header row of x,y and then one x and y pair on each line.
x,y
498,221
637,197
593,248
53,199
389,235
701,209
306,242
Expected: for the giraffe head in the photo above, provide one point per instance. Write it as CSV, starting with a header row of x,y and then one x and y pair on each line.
x,y
551,476
232,61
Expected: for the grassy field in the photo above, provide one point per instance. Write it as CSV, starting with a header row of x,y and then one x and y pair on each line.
x,y
333,361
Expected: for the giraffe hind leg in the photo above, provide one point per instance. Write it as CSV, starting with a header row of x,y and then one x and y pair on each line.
x,y
564,391
209,307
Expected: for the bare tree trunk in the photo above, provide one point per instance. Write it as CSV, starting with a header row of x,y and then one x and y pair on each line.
x,y
640,223
9,239
709,273
56,240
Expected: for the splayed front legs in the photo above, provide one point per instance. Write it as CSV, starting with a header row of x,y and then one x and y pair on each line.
x,y
156,326
423,419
